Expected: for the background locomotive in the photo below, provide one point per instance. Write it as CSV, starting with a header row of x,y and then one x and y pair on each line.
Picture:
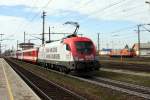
x,y
122,53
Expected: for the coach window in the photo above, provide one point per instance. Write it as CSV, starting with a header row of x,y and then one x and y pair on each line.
x,y
67,47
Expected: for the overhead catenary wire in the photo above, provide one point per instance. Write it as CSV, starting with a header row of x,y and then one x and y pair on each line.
x,y
24,25
119,32
108,7
41,9
103,9
112,5
120,8
146,28
123,29
35,15
39,13
122,11
98,10
129,10
131,15
115,5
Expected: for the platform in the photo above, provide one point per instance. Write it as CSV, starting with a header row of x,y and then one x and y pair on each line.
x,y
12,87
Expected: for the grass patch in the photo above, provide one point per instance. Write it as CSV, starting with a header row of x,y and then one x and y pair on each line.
x,y
125,60
134,79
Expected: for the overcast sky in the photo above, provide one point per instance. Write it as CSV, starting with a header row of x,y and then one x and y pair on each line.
x,y
115,20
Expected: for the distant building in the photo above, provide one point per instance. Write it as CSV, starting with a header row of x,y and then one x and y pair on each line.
x,y
25,46
144,49
105,51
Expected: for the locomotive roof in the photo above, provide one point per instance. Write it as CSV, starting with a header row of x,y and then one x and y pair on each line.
x,y
29,49
78,39
70,39
66,40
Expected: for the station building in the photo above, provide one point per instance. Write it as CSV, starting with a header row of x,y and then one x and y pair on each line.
x,y
25,46
144,49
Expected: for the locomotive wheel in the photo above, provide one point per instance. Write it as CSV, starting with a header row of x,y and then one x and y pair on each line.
x,y
61,69
67,71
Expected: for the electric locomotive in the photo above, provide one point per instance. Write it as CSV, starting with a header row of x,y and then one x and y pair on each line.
x,y
69,54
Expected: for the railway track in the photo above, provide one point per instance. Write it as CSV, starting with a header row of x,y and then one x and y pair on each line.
x,y
134,59
131,89
137,90
125,65
45,89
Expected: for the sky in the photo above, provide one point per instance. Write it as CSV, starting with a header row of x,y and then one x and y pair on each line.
x,y
115,20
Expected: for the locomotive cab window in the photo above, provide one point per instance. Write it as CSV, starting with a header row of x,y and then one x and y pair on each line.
x,y
84,46
67,47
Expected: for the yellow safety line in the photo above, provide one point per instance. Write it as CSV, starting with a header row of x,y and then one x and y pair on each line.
x,y
8,85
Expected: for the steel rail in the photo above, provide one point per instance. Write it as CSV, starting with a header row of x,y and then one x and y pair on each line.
x,y
68,91
31,83
104,84
143,88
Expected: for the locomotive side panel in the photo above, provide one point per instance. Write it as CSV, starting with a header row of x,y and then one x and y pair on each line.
x,y
55,53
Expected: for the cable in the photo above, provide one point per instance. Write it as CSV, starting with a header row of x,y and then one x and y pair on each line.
x,y
8,37
103,9
146,28
124,12
125,4
45,6
112,5
115,12
37,14
123,29
100,10
107,7
87,3
33,18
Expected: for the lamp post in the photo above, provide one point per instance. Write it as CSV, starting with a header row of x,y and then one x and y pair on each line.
x,y
139,43
50,33
98,44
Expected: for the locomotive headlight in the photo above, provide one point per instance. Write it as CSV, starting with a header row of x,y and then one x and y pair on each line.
x,y
81,59
78,59
89,57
